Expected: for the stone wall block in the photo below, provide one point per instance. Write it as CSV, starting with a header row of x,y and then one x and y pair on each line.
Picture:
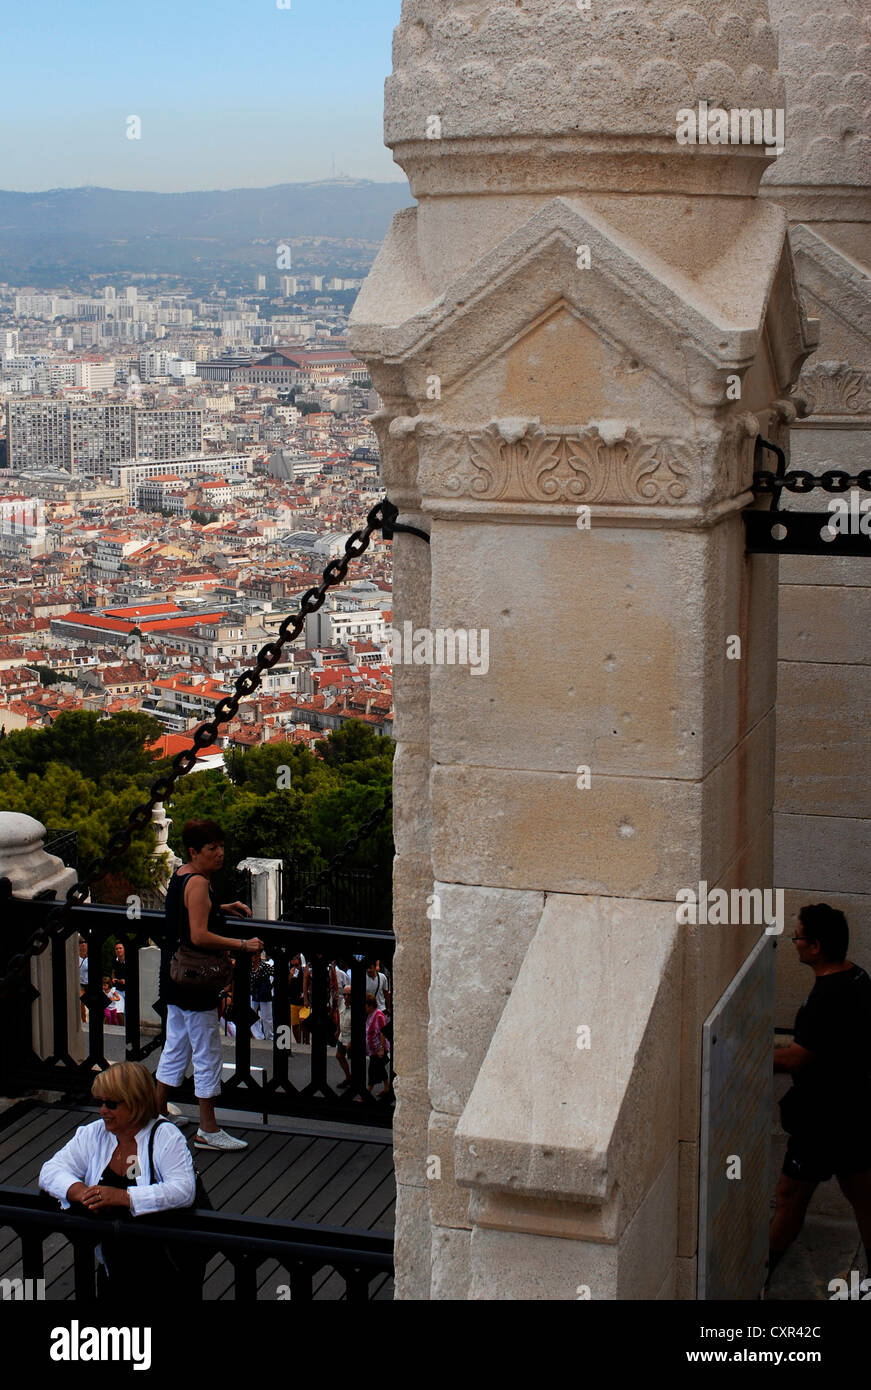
x,y
688,1187
594,1089
508,1265
686,1279
479,941
738,796
413,1245
411,1145
531,830
821,749
622,702
649,1244
412,887
837,848
740,601
449,1203
450,1263
825,625
412,819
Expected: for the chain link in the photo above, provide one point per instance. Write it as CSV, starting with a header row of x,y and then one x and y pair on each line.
x,y
799,480
382,517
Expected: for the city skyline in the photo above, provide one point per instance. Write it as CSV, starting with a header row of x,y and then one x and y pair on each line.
x,y
298,96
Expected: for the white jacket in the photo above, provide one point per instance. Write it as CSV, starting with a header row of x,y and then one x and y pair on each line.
x,y
85,1157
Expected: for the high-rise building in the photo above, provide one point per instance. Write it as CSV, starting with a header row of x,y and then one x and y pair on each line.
x,y
94,375
167,434
88,439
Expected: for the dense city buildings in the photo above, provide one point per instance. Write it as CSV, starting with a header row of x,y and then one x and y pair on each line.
x,y
178,471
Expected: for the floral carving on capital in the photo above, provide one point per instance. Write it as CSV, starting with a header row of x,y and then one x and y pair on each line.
x,y
835,388
530,464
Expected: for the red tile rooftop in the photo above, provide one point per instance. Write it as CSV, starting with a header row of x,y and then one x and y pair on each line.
x,y
168,745
144,610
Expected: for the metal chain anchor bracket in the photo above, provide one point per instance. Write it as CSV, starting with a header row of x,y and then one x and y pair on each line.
x,y
381,517
774,531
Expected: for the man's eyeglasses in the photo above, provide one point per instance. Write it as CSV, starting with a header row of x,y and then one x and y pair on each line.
x,y
795,937
109,1104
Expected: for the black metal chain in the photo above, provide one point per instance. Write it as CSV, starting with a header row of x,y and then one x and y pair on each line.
x,y
799,480
382,517
344,853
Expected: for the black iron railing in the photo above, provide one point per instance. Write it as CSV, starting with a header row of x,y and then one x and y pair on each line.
x,y
285,1078
354,897
233,884
300,1249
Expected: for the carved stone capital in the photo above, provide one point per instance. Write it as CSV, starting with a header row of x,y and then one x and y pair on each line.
x,y
833,390
608,463
519,461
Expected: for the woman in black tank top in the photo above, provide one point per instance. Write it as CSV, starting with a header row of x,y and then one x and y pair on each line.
x,y
178,932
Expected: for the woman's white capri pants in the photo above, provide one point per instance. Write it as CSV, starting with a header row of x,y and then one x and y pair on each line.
x,y
194,1034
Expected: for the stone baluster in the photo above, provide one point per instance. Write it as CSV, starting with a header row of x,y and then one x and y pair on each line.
x,y
265,887
31,871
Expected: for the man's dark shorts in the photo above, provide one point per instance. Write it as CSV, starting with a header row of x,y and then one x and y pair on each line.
x,y
812,1159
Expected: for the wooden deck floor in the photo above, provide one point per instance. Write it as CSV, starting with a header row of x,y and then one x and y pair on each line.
x,y
302,1172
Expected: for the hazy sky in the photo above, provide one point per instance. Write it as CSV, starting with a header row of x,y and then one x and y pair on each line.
x,y
230,93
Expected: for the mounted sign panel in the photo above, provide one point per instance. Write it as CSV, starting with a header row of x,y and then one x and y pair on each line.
x,y
735,1140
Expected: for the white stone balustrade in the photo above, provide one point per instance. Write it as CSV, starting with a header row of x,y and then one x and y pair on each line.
x,y
31,871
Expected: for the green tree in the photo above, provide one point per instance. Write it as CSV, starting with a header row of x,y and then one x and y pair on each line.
x,y
354,742
86,743
277,826
337,815
63,798
46,675
203,796
260,770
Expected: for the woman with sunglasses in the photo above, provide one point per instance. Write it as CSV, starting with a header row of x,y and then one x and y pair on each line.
x,y
116,1163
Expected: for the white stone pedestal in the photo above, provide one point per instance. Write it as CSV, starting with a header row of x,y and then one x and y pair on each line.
x,y
31,871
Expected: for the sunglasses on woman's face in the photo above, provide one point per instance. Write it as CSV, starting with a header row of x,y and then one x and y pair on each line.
x,y
109,1104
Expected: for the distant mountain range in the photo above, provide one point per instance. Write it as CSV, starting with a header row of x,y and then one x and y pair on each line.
x,y
99,230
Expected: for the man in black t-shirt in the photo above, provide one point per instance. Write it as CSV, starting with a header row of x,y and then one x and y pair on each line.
x,y
827,1111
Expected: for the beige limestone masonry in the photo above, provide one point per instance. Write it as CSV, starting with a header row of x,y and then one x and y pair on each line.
x,y
450,1263
479,941
554,331
823,180
413,1258
613,967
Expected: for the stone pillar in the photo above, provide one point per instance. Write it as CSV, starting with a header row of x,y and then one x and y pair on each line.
x,y
31,871
155,898
823,180
576,335
265,887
